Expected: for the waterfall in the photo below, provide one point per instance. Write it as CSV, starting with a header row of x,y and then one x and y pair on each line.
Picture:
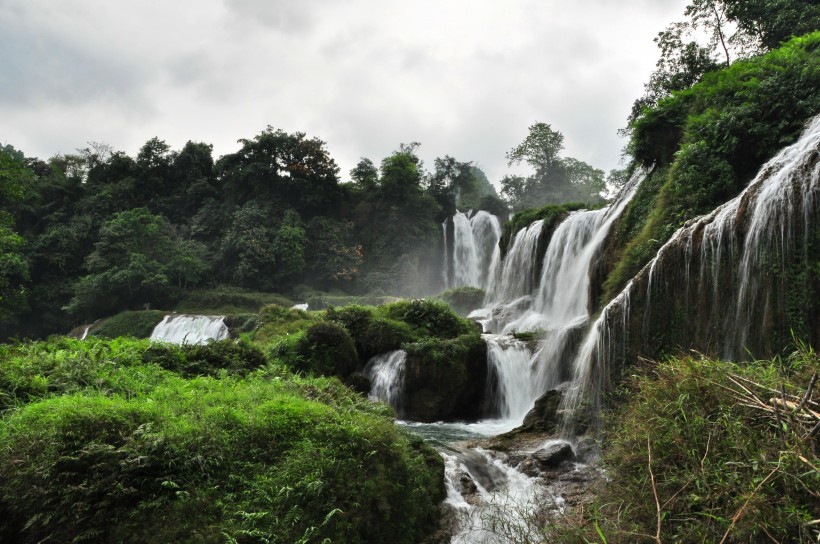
x,y
557,305
474,239
735,294
190,329
513,278
386,375
509,362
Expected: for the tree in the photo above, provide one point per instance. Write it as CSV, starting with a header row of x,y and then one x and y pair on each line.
x,y
14,272
556,179
290,170
365,175
540,149
134,262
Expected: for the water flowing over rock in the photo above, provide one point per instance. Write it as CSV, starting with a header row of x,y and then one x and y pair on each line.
x,y
386,375
190,329
554,302
732,283
475,237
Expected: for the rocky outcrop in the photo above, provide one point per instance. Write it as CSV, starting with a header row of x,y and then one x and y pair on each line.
x,y
445,379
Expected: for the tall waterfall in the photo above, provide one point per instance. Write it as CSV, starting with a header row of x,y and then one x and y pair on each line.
x,y
716,275
474,239
190,329
555,303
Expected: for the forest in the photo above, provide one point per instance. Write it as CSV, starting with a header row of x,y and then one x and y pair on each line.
x,y
682,368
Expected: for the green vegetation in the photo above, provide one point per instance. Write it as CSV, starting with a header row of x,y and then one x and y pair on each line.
x,y
103,444
463,300
729,450
139,324
551,214
556,179
708,141
227,299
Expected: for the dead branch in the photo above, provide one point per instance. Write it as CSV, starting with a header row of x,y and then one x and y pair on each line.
x,y
654,490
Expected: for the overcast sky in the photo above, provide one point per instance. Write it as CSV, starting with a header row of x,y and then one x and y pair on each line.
x,y
464,78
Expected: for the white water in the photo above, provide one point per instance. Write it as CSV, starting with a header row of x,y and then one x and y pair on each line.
x,y
510,502
558,305
474,240
190,329
510,362
781,200
386,375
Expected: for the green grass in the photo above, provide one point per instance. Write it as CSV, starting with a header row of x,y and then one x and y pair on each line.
x,y
721,463
138,324
229,300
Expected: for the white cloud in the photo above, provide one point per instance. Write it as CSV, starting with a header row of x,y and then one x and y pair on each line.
x,y
463,77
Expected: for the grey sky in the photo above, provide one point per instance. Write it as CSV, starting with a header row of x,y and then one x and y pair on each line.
x,y
463,77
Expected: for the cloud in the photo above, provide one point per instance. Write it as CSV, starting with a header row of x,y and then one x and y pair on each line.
x,y
463,77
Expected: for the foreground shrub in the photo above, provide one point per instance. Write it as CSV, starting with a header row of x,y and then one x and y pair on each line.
x,y
236,357
212,461
705,436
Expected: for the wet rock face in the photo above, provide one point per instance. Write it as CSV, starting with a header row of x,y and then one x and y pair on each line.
x,y
544,461
446,382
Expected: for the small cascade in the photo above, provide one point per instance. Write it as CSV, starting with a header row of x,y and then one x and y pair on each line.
x,y
511,384
728,304
474,239
386,375
190,329
513,277
502,505
85,332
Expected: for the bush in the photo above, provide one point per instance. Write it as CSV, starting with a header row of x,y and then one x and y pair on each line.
x,y
428,317
723,462
383,335
235,357
211,461
326,349
278,321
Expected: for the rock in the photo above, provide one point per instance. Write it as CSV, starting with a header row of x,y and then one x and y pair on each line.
x,y
554,455
543,418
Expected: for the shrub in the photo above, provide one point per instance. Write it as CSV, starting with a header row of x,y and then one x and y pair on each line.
x,y
428,317
722,461
325,349
236,357
210,460
277,321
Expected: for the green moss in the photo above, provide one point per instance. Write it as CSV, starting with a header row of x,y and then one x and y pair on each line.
x,y
552,215
138,324
428,318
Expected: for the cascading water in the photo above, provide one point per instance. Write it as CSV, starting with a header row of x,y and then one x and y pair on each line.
x,y
190,329
733,297
386,375
474,239
557,305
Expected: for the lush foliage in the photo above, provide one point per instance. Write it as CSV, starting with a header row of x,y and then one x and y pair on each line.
x,y
555,179
725,448
463,300
707,142
102,444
